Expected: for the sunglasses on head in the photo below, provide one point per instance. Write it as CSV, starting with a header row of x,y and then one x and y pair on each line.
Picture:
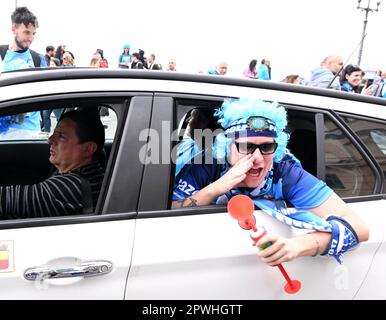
x,y
248,148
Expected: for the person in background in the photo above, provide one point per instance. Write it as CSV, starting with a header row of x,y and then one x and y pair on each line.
x,y
351,80
68,59
95,61
252,159
326,76
59,53
124,60
251,71
54,62
379,88
103,63
50,52
152,64
292,78
220,70
16,56
269,69
136,62
46,114
143,59
264,71
172,65
377,76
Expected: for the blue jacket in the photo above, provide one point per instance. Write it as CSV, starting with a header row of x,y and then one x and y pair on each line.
x,y
321,77
383,89
214,71
263,72
346,86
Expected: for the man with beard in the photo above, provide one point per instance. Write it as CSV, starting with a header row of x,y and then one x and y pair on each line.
x,y
18,56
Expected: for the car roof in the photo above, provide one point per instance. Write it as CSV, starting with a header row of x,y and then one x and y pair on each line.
x,y
56,80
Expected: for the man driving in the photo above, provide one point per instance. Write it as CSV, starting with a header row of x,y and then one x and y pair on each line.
x,y
75,147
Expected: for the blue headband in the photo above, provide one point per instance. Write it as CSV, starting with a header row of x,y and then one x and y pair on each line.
x,y
255,126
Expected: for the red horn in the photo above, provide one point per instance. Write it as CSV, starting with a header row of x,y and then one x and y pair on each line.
x,y
241,208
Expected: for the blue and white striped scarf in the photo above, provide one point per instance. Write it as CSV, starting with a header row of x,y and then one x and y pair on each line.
x,y
343,237
277,209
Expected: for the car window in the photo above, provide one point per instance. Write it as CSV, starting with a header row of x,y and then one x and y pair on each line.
x,y
373,135
26,156
347,172
196,128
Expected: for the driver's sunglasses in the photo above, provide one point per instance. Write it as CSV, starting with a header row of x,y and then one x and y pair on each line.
x,y
248,148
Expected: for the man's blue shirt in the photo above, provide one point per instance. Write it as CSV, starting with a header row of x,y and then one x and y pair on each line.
x,y
23,60
20,60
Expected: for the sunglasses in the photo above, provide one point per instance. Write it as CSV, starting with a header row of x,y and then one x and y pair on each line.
x,y
248,148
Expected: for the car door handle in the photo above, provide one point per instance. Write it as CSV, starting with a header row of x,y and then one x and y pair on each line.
x,y
86,269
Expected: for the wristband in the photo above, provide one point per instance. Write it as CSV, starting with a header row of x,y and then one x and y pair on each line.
x,y
343,238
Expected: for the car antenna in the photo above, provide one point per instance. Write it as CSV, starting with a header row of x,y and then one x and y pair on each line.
x,y
342,67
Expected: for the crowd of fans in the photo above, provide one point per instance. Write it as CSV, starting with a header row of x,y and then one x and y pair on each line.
x,y
330,74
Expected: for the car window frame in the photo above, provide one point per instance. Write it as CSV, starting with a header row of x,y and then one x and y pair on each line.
x,y
109,208
320,115
166,211
340,116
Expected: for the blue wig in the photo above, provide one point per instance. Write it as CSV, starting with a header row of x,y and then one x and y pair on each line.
x,y
243,108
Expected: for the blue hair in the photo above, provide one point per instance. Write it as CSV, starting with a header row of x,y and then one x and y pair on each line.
x,y
232,110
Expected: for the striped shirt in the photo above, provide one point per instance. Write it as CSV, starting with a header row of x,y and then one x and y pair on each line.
x,y
59,195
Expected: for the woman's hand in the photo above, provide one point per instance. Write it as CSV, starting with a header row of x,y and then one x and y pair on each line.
x,y
234,176
281,250
367,91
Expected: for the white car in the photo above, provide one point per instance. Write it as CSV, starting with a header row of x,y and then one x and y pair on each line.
x,y
135,246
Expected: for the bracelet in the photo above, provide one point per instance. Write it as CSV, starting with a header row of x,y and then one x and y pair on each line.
x,y
317,244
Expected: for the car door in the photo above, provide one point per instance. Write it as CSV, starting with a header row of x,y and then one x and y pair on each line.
x,y
202,253
372,133
87,256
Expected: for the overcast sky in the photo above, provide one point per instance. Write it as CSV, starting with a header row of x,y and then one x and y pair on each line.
x,y
295,35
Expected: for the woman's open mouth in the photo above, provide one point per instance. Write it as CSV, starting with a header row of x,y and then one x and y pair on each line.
x,y
255,172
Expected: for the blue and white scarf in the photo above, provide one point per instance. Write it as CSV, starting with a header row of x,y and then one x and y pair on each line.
x,y
343,236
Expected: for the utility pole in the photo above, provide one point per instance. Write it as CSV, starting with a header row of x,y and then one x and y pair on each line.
x,y
366,10
15,4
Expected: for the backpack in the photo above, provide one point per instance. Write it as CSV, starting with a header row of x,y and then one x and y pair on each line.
x,y
34,54
137,65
